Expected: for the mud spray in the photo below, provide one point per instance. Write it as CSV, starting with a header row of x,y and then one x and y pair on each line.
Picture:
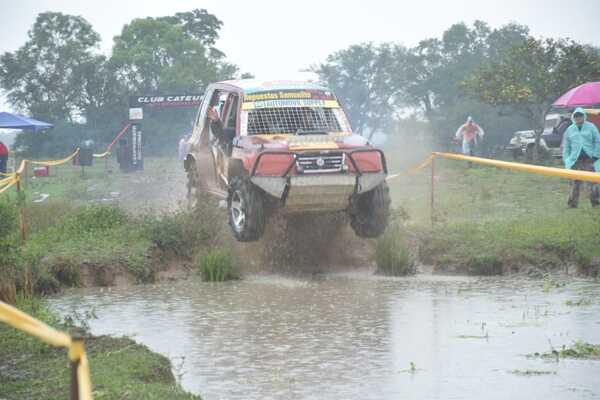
x,y
307,243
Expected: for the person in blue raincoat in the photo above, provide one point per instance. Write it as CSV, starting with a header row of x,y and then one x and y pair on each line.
x,y
581,151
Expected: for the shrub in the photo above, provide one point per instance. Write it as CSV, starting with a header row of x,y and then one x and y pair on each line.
x,y
392,254
182,232
484,265
216,266
8,218
95,218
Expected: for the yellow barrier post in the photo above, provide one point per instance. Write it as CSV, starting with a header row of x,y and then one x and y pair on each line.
x,y
21,202
77,348
81,385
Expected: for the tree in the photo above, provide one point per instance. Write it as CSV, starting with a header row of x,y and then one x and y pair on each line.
x,y
173,53
46,76
531,75
365,79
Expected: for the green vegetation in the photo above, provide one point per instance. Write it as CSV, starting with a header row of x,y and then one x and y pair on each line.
x,y
120,368
578,303
579,349
392,253
484,265
216,266
104,239
490,220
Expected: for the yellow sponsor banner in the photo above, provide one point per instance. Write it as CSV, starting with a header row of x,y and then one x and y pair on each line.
x,y
281,103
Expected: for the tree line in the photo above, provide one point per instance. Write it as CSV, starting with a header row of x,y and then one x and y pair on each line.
x,y
504,77
59,75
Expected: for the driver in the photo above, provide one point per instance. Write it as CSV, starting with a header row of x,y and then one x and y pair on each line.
x,y
224,135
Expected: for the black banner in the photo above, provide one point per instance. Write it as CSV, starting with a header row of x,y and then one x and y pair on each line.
x,y
170,100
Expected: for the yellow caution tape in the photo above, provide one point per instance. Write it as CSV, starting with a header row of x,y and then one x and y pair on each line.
x,y
14,177
18,319
6,185
534,169
6,181
106,153
24,322
413,169
50,163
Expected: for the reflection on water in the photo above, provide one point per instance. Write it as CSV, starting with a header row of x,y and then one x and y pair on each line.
x,y
354,336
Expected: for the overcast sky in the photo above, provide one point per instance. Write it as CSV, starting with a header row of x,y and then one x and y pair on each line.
x,y
277,38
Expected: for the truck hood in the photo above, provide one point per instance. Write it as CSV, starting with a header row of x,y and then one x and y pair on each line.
x,y
331,141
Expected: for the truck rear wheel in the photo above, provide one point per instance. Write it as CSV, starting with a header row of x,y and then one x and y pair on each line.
x,y
370,212
193,185
245,205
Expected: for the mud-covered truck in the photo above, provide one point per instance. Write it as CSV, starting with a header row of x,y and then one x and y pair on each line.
x,y
288,147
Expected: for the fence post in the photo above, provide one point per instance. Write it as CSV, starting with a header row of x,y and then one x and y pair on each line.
x,y
21,204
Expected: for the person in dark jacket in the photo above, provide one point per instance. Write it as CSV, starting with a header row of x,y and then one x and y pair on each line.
x,y
3,158
224,135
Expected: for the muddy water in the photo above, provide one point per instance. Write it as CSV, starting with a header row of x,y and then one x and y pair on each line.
x,y
354,336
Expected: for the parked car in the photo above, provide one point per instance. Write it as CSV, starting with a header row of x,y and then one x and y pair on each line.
x,y
522,144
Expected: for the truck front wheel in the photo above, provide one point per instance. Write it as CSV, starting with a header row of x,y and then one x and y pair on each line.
x,y
245,204
370,211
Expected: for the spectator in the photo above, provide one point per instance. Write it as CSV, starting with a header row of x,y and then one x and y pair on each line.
x,y
469,132
3,157
581,151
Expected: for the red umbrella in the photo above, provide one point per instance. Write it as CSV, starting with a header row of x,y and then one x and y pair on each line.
x,y
584,95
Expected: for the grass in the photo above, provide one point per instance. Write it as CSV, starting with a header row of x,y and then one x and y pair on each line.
x,y
120,368
489,220
104,183
392,253
579,350
579,302
216,266
101,237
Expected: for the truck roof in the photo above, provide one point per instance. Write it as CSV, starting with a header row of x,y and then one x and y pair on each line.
x,y
257,86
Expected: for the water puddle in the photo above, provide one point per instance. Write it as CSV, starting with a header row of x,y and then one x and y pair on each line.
x,y
356,336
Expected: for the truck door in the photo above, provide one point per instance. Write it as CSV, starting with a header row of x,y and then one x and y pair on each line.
x,y
227,108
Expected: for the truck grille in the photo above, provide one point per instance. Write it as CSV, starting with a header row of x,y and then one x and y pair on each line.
x,y
317,163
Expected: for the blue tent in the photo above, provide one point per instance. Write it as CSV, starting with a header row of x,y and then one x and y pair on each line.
x,y
16,121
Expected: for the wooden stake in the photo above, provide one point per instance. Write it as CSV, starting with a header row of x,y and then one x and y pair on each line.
x,y
22,220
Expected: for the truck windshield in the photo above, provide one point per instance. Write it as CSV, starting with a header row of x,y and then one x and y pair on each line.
x,y
291,120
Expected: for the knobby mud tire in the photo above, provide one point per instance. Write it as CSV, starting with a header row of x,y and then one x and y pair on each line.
x,y
370,212
249,200
193,186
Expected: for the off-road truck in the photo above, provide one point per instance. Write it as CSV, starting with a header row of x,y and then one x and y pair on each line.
x,y
281,145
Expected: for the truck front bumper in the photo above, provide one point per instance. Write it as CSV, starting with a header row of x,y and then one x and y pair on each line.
x,y
320,191
330,192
